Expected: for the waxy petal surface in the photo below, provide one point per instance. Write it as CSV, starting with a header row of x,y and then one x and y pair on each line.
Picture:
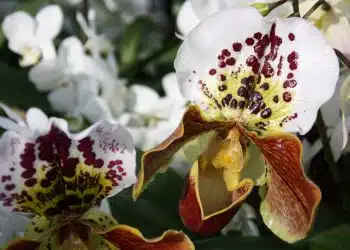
x,y
154,160
260,73
288,208
206,206
50,173
127,238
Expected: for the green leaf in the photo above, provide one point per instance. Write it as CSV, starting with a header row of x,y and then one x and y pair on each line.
x,y
246,243
132,40
337,238
16,89
156,210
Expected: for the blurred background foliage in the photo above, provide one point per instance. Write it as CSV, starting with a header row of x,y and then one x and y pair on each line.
x,y
145,50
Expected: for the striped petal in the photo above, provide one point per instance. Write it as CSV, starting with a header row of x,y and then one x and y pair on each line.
x,y
288,207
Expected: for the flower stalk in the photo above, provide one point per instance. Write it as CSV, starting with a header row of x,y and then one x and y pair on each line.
x,y
327,151
319,3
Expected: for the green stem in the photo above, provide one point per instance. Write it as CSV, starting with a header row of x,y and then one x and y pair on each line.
x,y
342,58
326,6
327,150
274,5
295,5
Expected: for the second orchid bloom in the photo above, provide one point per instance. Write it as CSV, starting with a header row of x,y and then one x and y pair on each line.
x,y
250,83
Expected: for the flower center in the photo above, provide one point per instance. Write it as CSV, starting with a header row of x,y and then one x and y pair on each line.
x,y
226,152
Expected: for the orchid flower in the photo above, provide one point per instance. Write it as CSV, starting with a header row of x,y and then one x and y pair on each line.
x,y
60,177
333,21
32,37
149,119
193,11
101,48
74,80
249,84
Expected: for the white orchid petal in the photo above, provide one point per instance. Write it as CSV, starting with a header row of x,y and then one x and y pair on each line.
x,y
19,26
63,99
49,22
337,138
142,99
114,146
186,19
96,109
37,120
337,30
12,115
46,75
71,56
212,70
344,93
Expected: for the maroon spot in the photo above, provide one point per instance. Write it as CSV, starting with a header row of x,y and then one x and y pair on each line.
x,y
98,163
275,42
68,168
12,169
233,103
275,98
241,104
266,113
120,169
119,162
293,65
243,92
111,173
222,64
265,86
222,87
30,182
257,35
237,47
222,78
289,84
226,100
212,71
45,183
261,45
291,36
267,70
230,61
253,62
5,178
221,57
225,52
287,97
28,173
292,57
255,96
290,75
249,41
10,187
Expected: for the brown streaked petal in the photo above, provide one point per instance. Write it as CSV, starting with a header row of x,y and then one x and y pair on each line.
x,y
22,243
128,238
288,208
192,125
207,206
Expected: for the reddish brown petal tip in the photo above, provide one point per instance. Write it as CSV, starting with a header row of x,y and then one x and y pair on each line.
x,y
207,206
192,125
291,199
128,238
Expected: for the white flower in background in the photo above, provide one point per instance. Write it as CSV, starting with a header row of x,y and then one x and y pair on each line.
x,y
129,9
193,11
101,48
77,84
337,122
333,22
32,38
151,118
243,221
